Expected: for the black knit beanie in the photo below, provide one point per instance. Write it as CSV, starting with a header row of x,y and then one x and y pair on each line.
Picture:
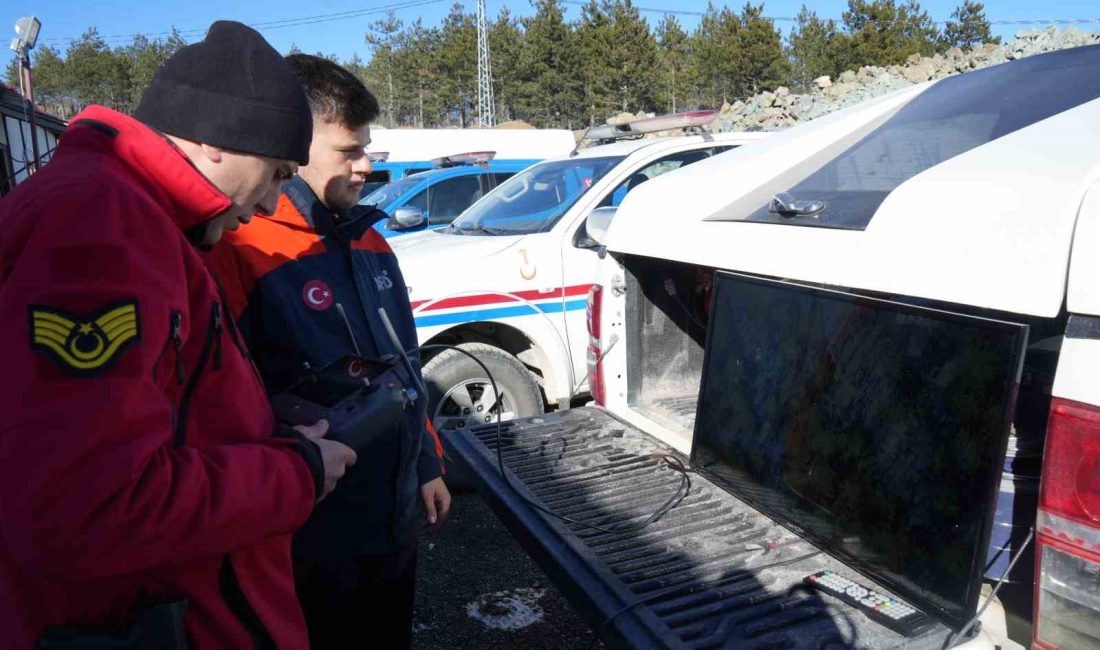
x,y
233,91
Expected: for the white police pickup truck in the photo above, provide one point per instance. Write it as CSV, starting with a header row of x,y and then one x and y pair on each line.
x,y
507,280
872,343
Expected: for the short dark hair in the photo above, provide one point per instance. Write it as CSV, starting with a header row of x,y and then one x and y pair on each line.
x,y
335,94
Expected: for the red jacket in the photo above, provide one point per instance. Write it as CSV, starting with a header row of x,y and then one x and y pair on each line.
x,y
136,447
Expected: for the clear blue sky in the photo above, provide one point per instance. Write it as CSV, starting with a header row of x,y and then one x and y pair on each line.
x,y
62,19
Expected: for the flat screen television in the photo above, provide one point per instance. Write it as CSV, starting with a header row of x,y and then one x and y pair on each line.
x,y
875,429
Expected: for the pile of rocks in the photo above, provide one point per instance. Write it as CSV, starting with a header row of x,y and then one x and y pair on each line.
x,y
781,107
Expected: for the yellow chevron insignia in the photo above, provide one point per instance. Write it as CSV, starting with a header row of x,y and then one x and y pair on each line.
x,y
84,345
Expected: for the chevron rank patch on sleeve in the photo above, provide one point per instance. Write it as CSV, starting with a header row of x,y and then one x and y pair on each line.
x,y
82,345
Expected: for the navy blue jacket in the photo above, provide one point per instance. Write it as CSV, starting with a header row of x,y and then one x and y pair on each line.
x,y
285,278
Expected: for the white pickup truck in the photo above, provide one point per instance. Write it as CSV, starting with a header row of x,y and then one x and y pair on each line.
x,y
870,339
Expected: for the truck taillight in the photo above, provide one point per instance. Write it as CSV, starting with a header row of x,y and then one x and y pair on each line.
x,y
593,354
1067,591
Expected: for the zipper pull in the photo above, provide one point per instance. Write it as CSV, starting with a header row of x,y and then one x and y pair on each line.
x,y
177,343
217,312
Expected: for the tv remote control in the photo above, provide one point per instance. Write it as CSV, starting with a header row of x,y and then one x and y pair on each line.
x,y
883,609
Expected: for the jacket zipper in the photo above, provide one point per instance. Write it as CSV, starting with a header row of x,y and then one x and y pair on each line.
x,y
238,339
174,343
218,334
177,343
238,604
213,334
231,325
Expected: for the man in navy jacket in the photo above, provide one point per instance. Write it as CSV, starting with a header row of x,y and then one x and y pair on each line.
x,y
305,285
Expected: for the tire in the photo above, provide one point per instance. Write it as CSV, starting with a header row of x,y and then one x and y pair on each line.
x,y
460,395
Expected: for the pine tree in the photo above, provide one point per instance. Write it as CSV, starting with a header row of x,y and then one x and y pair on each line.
x,y
716,43
633,57
504,44
548,69
592,38
673,61
419,75
881,32
381,38
919,30
618,59
143,57
810,49
96,74
398,71
760,64
968,27
456,63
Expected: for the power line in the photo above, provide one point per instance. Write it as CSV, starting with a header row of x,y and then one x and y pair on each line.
x,y
266,25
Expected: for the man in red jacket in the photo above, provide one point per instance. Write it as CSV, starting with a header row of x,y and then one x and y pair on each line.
x,y
139,459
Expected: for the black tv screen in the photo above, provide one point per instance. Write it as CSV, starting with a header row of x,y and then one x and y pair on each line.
x,y
875,429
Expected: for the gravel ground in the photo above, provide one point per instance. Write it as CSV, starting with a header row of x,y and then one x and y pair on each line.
x,y
475,560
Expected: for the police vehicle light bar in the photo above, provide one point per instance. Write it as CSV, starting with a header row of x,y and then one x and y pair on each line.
x,y
469,158
652,125
378,156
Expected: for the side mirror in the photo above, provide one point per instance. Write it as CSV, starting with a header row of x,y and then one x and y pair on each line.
x,y
407,217
599,220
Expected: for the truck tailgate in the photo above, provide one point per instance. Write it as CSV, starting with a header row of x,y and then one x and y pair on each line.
x,y
711,573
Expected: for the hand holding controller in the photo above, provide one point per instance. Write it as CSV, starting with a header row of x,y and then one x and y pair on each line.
x,y
336,457
360,398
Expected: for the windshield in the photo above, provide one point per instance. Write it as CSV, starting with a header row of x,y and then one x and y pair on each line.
x,y
387,194
535,199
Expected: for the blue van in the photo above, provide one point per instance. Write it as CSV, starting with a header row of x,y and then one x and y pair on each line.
x,y
428,200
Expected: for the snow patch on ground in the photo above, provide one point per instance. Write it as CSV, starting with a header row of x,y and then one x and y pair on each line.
x,y
507,610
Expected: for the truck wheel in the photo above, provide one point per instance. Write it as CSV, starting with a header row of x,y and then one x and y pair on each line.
x,y
460,394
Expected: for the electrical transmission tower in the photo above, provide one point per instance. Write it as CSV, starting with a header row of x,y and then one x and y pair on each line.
x,y
485,112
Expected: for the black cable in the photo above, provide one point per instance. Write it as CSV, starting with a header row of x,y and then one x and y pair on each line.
x,y
672,590
584,380
687,312
673,462
670,289
964,630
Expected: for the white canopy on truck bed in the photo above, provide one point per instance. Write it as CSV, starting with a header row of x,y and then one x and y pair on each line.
x,y
986,218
